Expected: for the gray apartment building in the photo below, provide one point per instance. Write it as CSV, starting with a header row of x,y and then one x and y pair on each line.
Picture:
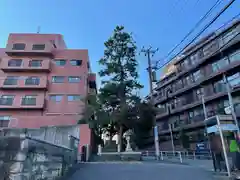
x,y
199,74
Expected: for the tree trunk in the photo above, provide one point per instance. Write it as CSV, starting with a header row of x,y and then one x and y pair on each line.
x,y
120,134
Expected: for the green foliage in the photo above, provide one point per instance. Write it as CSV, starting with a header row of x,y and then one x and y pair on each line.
x,y
119,64
143,126
95,115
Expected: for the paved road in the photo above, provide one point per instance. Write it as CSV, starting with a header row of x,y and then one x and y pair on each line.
x,y
140,171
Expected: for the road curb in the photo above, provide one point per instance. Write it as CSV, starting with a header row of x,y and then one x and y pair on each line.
x,y
113,162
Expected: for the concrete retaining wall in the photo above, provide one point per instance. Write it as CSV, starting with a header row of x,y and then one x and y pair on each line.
x,y
34,154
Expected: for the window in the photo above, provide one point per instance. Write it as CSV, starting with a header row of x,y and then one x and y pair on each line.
x,y
222,105
4,121
197,75
220,64
190,114
60,62
176,102
234,80
74,79
229,35
174,120
194,58
19,46
186,63
199,93
38,47
56,98
182,119
11,80
15,63
226,103
179,85
188,98
210,48
29,100
179,68
161,108
92,84
235,56
198,112
35,63
75,62
5,118
188,80
32,81
74,97
58,79
219,86
181,64
6,100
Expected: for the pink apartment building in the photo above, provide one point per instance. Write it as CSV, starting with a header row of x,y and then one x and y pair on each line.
x,y
42,82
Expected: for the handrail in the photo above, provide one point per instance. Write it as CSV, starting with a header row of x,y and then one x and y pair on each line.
x,y
179,155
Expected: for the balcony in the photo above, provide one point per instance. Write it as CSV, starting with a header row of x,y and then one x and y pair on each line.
x,y
13,82
162,112
221,46
9,102
25,65
30,49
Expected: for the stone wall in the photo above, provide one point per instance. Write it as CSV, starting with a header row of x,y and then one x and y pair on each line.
x,y
36,154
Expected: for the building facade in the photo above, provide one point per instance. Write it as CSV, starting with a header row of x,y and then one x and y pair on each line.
x,y
43,83
197,77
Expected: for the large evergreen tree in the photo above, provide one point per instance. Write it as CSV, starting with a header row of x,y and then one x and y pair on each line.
x,y
119,65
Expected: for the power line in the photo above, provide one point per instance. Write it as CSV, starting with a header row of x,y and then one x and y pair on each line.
x,y
194,28
210,23
217,51
180,10
205,28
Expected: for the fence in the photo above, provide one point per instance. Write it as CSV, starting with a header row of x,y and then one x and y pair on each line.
x,y
179,156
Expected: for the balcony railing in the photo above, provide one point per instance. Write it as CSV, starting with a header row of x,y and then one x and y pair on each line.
x,y
25,65
10,82
32,81
23,83
22,49
6,101
29,101
19,102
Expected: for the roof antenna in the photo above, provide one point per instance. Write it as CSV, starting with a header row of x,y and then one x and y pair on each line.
x,y
38,29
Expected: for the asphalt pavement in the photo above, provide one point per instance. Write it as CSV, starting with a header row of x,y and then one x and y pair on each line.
x,y
140,171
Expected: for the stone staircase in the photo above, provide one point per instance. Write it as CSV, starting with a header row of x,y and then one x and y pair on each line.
x,y
110,147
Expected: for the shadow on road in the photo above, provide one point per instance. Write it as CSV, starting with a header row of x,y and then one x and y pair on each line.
x,y
140,171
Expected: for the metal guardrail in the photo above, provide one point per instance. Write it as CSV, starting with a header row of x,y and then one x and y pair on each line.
x,y
178,155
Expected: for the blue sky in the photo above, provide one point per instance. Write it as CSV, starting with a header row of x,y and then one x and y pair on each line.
x,y
88,23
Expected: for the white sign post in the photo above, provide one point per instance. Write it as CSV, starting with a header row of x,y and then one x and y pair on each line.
x,y
223,146
156,141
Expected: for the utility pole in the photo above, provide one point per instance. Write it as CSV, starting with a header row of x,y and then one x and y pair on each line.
x,y
149,52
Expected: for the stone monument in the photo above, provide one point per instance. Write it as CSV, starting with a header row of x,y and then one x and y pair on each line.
x,y
127,135
129,154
